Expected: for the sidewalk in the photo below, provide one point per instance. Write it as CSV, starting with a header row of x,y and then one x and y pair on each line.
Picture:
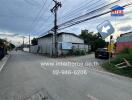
x,y
3,61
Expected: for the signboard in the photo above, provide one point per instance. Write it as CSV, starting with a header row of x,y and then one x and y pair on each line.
x,y
105,29
66,46
117,11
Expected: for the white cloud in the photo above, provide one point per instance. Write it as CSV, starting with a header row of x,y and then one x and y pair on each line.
x,y
20,21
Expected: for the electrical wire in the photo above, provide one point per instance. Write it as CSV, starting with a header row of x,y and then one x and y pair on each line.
x,y
78,22
87,14
83,6
83,20
39,18
92,4
90,8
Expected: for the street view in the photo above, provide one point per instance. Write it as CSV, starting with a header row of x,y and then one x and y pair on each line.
x,y
65,50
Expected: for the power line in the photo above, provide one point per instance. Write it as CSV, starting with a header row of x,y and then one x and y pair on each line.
x,y
80,21
51,29
73,12
42,15
40,11
38,16
90,18
80,7
82,16
88,9
30,2
87,14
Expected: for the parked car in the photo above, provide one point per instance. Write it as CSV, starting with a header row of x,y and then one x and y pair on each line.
x,y
102,53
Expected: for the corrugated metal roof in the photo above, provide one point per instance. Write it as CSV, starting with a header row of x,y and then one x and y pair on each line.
x,y
124,39
49,34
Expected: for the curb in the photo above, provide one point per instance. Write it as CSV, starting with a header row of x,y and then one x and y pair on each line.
x,y
111,74
4,61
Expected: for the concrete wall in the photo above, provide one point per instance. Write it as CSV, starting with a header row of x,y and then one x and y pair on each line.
x,y
121,45
123,41
84,47
46,45
49,48
71,38
34,49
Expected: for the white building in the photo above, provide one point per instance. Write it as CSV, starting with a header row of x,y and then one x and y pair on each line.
x,y
65,42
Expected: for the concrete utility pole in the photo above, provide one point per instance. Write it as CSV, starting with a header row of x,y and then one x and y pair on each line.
x,y
23,44
54,11
29,43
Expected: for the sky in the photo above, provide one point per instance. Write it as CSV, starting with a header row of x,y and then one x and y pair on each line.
x,y
20,18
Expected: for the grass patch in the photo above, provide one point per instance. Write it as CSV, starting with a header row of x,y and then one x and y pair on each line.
x,y
127,54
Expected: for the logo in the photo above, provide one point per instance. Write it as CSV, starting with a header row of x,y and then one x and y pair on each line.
x,y
117,11
105,29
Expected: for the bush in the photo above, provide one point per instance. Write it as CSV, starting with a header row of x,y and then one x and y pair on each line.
x,y
70,52
83,52
76,52
127,54
79,52
126,50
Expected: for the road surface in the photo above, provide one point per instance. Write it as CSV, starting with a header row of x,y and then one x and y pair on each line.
x,y
27,77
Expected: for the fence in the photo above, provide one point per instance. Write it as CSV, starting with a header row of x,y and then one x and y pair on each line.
x,y
49,48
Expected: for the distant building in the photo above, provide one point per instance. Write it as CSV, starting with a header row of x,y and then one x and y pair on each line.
x,y
65,43
125,40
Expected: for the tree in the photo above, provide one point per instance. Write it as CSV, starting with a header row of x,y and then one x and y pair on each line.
x,y
11,46
93,39
99,43
2,42
34,41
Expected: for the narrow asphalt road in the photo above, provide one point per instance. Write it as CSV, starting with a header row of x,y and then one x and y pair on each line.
x,y
24,76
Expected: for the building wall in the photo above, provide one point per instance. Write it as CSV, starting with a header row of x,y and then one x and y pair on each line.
x,y
121,45
44,40
71,38
46,45
59,38
123,41
34,49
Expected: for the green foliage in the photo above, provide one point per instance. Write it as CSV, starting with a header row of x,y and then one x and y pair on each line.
x,y
113,69
88,37
98,43
77,52
93,39
2,42
127,54
126,50
70,52
83,52
11,46
34,41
